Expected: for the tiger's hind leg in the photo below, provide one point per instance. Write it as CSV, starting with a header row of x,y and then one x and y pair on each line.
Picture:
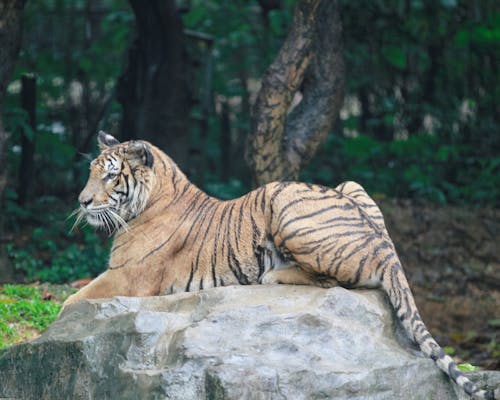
x,y
297,276
338,233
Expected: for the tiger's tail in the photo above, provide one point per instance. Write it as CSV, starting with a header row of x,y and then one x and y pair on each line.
x,y
396,286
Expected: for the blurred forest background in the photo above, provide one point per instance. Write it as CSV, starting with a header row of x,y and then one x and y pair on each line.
x,y
419,128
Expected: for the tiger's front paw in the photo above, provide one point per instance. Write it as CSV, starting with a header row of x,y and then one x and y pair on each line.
x,y
70,300
271,277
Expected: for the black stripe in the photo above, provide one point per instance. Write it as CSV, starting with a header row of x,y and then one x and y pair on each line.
x,y
207,230
338,258
309,215
190,279
263,200
260,257
256,197
305,250
359,271
194,223
282,212
238,229
221,232
235,267
453,371
277,192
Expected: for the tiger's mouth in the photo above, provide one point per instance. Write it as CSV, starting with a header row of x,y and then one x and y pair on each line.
x,y
103,217
94,219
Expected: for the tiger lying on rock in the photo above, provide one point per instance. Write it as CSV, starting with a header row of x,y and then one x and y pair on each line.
x,y
171,237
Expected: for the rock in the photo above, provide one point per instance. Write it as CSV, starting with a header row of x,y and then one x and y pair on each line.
x,y
241,342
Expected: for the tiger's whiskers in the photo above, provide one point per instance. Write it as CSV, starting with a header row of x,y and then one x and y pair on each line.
x,y
118,221
80,214
108,218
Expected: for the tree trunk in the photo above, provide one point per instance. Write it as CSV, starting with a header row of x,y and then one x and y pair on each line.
x,y
153,89
27,165
225,142
11,12
310,60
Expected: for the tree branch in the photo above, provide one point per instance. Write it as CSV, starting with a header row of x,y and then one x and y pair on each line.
x,y
323,91
153,89
279,83
311,58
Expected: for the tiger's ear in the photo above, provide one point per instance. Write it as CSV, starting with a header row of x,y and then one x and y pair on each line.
x,y
105,140
138,153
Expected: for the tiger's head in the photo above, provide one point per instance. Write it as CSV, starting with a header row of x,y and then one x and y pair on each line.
x,y
119,183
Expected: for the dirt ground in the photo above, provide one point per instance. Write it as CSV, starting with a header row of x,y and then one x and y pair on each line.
x,y
452,259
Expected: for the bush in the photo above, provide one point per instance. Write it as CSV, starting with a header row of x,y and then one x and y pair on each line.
x,y
44,249
43,259
420,167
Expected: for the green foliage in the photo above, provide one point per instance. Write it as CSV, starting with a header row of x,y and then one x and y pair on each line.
x,y
425,127
494,348
420,167
494,323
76,54
406,62
426,67
394,56
244,45
225,190
44,248
60,262
467,367
22,308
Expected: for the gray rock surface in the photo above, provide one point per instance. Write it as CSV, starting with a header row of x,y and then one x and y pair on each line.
x,y
259,342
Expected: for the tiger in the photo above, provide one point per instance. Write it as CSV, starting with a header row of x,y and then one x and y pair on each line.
x,y
171,237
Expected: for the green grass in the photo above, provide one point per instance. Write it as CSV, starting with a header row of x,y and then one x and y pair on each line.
x,y
467,367
24,313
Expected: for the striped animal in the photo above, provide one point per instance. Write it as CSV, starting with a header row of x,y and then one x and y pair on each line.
x,y
171,237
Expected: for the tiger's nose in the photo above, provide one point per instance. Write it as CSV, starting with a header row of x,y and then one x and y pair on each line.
x,y
84,201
